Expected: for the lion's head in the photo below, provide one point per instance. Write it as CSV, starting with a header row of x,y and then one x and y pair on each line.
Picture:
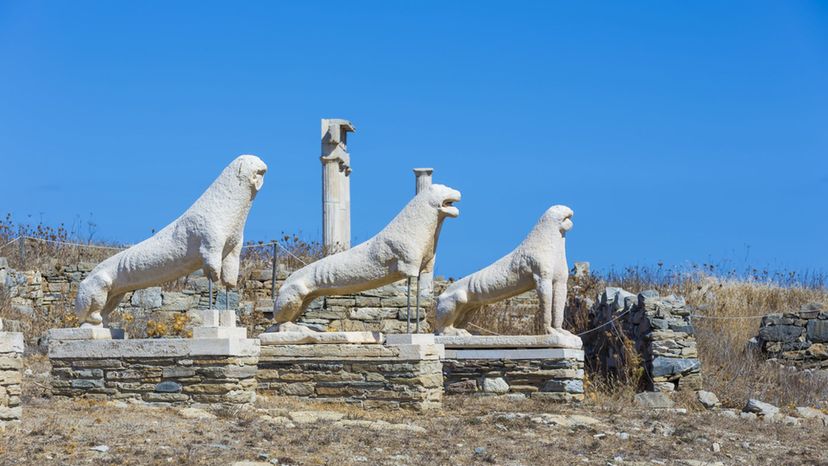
x,y
442,198
561,216
250,169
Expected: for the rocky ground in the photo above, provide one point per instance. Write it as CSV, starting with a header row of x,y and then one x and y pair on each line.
x,y
467,431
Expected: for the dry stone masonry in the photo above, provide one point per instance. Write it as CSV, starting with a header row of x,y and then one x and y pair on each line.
x,y
799,338
406,375
11,367
172,371
540,366
661,330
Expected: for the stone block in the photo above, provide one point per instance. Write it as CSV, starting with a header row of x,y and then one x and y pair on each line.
x,y
372,313
11,342
664,366
507,354
566,385
85,333
168,386
325,338
782,333
410,339
176,301
418,352
818,331
220,332
149,298
511,341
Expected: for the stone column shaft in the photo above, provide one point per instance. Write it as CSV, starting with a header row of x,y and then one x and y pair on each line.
x,y
422,182
336,185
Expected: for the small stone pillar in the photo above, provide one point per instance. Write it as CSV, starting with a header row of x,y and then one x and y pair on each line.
x,y
423,178
336,185
11,367
423,181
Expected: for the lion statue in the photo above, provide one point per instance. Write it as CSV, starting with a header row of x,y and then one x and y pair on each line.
x,y
208,236
403,249
539,262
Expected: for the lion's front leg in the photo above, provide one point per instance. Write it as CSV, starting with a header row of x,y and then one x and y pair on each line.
x,y
211,260
230,267
559,304
546,293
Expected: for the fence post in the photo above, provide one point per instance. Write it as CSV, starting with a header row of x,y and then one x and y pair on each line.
x,y
273,275
21,244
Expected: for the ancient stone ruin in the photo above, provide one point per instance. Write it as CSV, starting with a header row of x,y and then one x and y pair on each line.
x,y
798,338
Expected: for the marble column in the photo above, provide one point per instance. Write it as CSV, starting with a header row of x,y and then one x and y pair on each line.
x,y
336,185
422,178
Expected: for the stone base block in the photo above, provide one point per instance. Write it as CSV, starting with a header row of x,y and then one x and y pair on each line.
x,y
511,341
368,375
11,368
236,333
320,338
554,373
168,371
86,333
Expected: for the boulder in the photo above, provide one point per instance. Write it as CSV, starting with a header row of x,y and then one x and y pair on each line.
x,y
760,408
495,385
664,366
708,399
654,400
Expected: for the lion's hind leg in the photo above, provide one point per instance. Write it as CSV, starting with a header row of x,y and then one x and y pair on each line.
x,y
289,304
90,301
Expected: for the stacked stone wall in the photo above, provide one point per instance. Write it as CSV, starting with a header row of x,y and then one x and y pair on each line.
x,y
369,375
559,379
154,371
662,334
11,368
798,338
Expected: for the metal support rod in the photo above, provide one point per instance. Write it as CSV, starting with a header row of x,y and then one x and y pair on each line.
x,y
210,292
418,306
273,275
408,307
21,244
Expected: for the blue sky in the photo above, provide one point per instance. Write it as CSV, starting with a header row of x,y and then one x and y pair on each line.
x,y
677,131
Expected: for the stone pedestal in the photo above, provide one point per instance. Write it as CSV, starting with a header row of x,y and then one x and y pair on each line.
x,y
525,364
11,367
353,367
199,371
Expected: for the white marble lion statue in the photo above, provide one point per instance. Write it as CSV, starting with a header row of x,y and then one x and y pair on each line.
x,y
539,263
208,236
403,249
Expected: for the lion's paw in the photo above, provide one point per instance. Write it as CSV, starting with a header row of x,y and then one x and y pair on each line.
x,y
452,331
285,327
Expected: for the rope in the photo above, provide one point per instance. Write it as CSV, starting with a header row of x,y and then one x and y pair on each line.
x,y
605,323
67,243
484,329
10,242
699,316
277,244
116,248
